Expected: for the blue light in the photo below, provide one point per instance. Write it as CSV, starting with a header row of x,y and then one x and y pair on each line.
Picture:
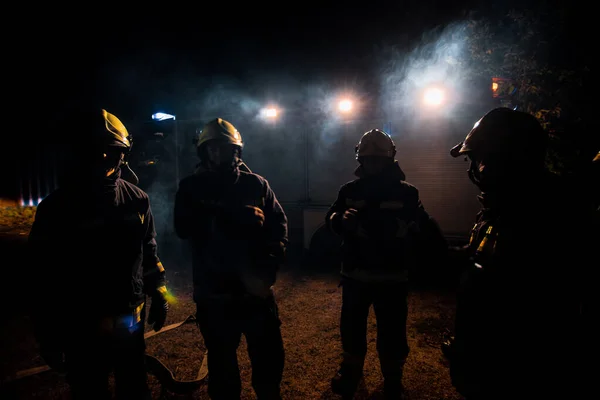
x,y
159,116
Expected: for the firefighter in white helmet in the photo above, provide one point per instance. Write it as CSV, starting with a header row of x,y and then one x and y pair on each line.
x,y
95,260
382,223
238,234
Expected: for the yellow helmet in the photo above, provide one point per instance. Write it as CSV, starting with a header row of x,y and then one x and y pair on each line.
x,y
375,143
118,133
219,129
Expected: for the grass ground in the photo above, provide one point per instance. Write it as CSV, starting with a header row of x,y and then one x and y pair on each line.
x,y
309,301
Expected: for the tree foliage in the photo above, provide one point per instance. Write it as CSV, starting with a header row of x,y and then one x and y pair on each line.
x,y
541,73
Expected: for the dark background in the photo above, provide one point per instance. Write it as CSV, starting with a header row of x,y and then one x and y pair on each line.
x,y
227,59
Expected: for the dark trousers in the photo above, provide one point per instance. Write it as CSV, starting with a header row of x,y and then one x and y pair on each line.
x,y
222,323
94,350
504,330
389,302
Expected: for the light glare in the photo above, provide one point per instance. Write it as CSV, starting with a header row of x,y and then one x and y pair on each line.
x,y
160,116
345,106
434,96
270,112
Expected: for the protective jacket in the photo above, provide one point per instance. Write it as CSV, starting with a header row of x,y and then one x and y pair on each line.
x,y
229,257
392,224
520,303
94,252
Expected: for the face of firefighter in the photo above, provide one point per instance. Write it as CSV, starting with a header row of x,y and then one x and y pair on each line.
x,y
374,165
222,156
105,162
489,175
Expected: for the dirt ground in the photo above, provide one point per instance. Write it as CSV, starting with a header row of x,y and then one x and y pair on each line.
x,y
309,302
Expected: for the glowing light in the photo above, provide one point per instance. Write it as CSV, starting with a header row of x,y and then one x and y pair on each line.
x,y
159,116
434,96
270,112
345,105
170,297
494,86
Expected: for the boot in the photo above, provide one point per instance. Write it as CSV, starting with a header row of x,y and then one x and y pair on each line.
x,y
273,393
392,371
346,380
447,349
393,390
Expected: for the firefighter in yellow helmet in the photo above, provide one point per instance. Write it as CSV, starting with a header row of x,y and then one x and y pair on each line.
x,y
518,326
382,223
238,234
94,257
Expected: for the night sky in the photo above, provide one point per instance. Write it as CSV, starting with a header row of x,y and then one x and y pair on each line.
x,y
135,61
134,64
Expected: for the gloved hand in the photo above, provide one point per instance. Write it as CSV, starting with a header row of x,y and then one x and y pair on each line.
x,y
250,216
158,309
53,355
349,220
259,276
49,336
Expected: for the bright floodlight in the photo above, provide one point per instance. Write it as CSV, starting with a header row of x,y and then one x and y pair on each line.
x,y
434,96
345,106
159,116
270,112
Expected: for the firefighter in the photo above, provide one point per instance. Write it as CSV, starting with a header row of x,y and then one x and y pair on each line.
x,y
382,223
95,261
595,174
238,235
518,316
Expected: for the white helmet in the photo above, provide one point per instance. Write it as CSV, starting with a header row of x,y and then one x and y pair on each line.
x,y
375,143
219,129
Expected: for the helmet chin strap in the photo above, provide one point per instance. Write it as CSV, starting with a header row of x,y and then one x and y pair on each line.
x,y
229,166
222,167
478,176
127,172
133,178
129,175
243,167
499,178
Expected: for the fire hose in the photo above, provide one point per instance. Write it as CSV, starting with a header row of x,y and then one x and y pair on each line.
x,y
154,365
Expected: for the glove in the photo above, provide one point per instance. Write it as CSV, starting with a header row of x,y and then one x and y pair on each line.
x,y
53,356
251,216
244,220
349,220
258,282
50,338
158,309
